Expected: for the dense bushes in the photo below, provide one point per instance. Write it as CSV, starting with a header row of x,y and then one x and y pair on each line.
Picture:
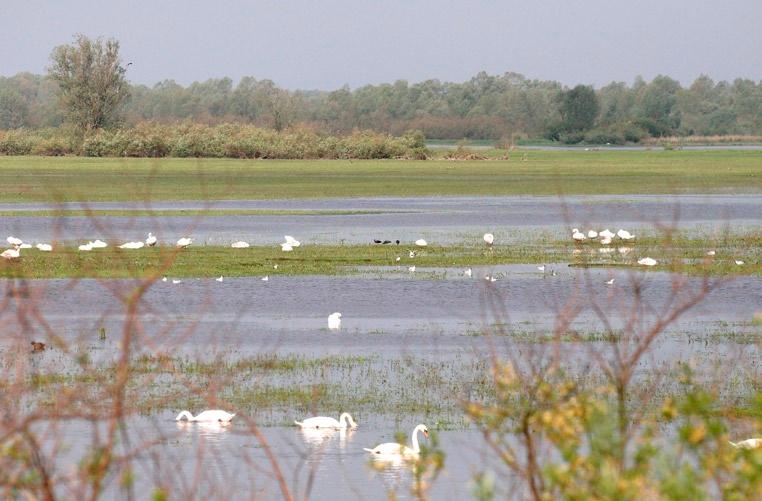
x,y
227,140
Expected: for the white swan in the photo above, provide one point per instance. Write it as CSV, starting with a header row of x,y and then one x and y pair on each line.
x,y
421,242
86,247
292,241
624,234
750,443
489,239
394,449
345,421
16,242
606,234
647,261
577,235
130,245
739,262
240,245
468,273
411,269
219,279
151,240
10,254
592,234
334,321
184,242
44,247
98,244
266,278
286,247
211,415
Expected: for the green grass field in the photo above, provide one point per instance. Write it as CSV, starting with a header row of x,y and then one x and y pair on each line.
x,y
56,179
687,255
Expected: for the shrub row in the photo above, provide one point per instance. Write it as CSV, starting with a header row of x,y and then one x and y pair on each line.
x,y
227,140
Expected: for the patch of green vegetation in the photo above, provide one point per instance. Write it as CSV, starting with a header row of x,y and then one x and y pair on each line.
x,y
59,179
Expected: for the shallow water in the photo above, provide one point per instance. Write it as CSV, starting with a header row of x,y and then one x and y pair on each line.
x,y
439,219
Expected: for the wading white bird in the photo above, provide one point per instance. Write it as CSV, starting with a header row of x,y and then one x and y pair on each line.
x,y
265,278
151,240
345,421
220,279
541,268
334,321
421,242
207,416
86,247
44,247
131,245
239,245
411,269
609,282
647,261
749,443
14,241
577,235
489,239
286,247
10,254
177,282
606,234
98,244
468,273
624,234
393,449
292,241
184,242
592,234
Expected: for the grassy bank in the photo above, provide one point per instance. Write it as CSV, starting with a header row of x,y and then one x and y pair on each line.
x,y
687,255
56,179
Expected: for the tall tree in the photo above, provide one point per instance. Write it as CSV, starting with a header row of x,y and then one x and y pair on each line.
x,y
579,107
91,81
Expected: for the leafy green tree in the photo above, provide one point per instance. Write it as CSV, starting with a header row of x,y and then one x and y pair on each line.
x,y
92,87
579,108
13,109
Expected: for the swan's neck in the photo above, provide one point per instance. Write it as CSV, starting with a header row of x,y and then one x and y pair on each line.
x,y
185,414
346,420
414,440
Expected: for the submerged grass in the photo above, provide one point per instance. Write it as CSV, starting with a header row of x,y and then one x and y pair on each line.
x,y
59,179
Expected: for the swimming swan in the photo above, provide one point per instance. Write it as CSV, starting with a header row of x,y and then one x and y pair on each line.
x,y
399,450
211,415
345,421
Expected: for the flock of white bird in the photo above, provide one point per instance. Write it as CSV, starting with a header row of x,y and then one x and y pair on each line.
x,y
388,450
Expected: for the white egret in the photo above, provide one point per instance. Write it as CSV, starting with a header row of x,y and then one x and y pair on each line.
x,y
292,241
578,236
592,234
421,242
647,261
131,245
98,244
184,242
151,240
334,321
394,449
468,273
10,254
489,239
286,247
345,421
240,245
44,247
207,416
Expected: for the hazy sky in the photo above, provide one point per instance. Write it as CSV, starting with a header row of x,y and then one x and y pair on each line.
x,y
324,44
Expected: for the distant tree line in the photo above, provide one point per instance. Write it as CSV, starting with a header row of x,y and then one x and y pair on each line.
x,y
502,107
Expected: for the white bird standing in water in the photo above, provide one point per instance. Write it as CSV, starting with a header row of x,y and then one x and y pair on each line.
x,y
609,282
468,273
334,321
184,242
265,278
411,269
177,282
220,279
541,268
207,416
151,240
345,421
